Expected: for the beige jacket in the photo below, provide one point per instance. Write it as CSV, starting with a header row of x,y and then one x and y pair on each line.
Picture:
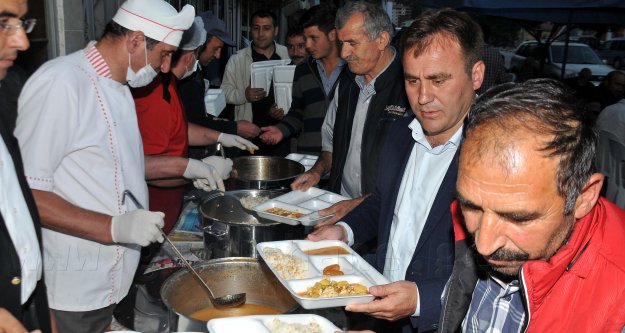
x,y
237,78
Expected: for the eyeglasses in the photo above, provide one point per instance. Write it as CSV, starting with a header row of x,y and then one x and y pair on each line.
x,y
10,29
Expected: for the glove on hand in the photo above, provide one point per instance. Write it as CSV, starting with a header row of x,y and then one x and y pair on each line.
x,y
229,140
222,165
205,176
138,227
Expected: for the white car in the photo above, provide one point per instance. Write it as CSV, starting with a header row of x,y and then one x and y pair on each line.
x,y
525,62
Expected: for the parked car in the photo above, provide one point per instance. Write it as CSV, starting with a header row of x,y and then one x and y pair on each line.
x,y
525,62
613,52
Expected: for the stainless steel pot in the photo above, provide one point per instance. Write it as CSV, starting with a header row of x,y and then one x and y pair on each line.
x,y
234,232
183,295
262,173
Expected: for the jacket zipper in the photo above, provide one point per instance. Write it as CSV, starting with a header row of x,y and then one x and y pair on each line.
x,y
526,321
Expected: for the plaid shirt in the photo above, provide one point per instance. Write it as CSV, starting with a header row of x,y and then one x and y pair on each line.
x,y
496,307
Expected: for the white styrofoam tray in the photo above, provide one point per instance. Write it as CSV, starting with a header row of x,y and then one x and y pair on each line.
x,y
259,324
355,268
306,160
307,203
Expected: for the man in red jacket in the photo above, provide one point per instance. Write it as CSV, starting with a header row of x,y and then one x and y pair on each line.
x,y
537,250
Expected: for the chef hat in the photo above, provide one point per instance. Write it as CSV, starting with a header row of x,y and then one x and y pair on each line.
x,y
193,37
216,27
156,19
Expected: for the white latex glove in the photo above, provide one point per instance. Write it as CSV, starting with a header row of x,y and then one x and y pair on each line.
x,y
205,176
222,165
138,227
229,140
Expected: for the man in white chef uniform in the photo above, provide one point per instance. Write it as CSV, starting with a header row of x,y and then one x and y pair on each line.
x,y
78,133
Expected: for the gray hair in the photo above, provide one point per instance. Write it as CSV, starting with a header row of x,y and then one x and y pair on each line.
x,y
376,20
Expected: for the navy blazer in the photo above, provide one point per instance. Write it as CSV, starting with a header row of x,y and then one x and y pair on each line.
x,y
432,261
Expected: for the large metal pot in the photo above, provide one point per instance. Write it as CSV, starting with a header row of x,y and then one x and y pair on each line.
x,y
183,295
262,173
231,231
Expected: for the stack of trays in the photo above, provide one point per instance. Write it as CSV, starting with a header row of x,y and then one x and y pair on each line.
x,y
301,207
354,268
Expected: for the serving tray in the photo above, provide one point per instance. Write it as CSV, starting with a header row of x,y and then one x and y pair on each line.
x,y
306,203
354,267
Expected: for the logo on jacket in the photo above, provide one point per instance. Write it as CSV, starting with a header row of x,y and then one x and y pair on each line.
x,y
395,110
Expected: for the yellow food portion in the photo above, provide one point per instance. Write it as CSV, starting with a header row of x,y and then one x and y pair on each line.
x,y
329,288
284,213
251,150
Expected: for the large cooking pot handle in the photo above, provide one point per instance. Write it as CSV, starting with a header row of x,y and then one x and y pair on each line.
x,y
219,234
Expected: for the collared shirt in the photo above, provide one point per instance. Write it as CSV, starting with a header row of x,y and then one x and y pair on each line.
x,y
80,139
496,307
328,80
350,184
19,224
421,180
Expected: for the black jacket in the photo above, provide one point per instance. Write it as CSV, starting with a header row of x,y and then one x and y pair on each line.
x,y
387,105
35,313
432,260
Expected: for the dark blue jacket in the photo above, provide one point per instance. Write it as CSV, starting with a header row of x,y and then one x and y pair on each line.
x,y
432,261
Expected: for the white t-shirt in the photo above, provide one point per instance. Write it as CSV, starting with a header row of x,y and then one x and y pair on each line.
x,y
79,138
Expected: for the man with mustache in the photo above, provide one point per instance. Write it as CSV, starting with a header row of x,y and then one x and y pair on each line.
x,y
368,99
254,104
536,249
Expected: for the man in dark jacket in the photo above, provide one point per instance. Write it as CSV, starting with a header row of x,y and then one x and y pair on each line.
x,y
408,213
368,99
313,83
23,305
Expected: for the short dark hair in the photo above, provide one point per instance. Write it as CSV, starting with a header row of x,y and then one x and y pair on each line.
x,y
544,107
376,20
448,22
294,31
264,13
322,16
114,30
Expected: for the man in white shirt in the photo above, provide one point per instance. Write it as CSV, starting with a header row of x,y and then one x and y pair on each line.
x,y
409,214
23,304
82,149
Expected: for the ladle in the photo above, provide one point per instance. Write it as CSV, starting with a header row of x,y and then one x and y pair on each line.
x,y
226,301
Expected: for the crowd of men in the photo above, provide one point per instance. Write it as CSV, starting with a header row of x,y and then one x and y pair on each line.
x,y
484,211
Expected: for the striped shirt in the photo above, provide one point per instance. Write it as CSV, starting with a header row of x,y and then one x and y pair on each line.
x,y
496,307
95,59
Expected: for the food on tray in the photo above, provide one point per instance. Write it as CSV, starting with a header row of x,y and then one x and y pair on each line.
x,y
249,202
285,213
251,150
330,288
332,270
244,310
327,250
289,267
278,326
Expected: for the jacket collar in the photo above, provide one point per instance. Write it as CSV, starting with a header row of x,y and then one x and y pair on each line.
x,y
540,276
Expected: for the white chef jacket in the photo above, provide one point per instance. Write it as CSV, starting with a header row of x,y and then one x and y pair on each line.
x,y
79,138
19,224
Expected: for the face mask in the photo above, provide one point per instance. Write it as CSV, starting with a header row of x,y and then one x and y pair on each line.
x,y
144,76
190,71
